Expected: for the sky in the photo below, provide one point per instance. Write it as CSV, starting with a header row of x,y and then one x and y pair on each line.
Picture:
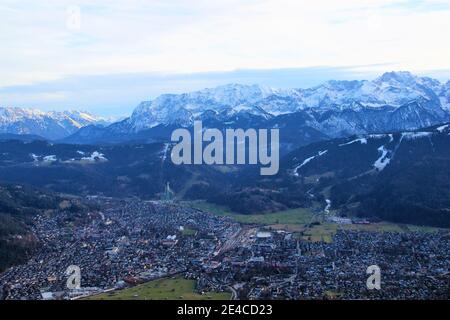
x,y
106,56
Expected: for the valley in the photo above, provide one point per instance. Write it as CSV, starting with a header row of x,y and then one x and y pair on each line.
x,y
362,180
132,249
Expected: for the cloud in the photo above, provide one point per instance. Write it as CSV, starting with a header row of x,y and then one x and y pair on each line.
x,y
44,41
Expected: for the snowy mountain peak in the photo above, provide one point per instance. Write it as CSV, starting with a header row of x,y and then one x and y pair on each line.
x,y
14,112
404,77
393,101
183,108
50,125
391,90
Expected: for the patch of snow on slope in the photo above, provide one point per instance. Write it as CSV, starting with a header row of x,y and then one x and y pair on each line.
x,y
442,128
35,157
361,140
51,158
95,156
327,208
383,160
415,135
164,152
381,136
320,153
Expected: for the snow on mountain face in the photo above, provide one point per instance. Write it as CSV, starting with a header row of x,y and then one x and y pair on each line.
x,y
392,90
394,101
50,125
183,108
366,153
444,96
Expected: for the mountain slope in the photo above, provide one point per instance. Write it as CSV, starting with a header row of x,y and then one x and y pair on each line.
x,y
394,89
398,176
18,205
118,170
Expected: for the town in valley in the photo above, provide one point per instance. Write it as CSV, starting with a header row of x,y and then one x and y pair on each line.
x,y
129,242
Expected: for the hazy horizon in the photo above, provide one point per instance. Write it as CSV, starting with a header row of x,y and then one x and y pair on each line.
x,y
117,95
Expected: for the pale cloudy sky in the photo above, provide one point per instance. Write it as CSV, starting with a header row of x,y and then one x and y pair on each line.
x,y
106,56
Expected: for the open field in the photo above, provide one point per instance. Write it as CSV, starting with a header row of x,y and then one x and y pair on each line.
x,y
299,216
298,220
176,288
210,207
294,216
304,223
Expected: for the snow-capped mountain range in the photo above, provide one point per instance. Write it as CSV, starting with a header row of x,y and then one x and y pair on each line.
x,y
185,108
50,125
394,101
401,96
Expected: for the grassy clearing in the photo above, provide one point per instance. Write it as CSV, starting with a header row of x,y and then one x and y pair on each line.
x,y
287,217
210,207
176,288
299,216
323,232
